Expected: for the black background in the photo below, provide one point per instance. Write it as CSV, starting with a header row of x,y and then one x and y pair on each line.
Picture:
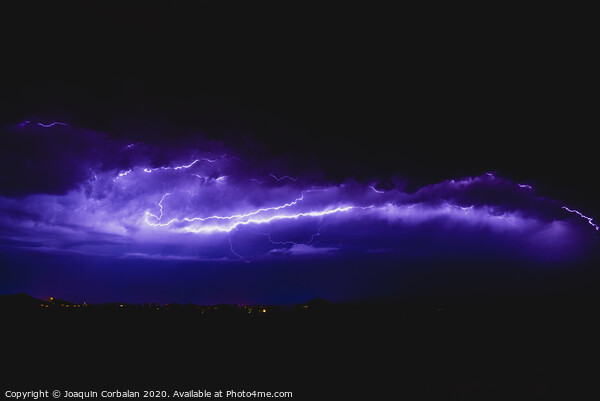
x,y
356,92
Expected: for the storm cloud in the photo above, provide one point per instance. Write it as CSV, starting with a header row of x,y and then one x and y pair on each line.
x,y
68,189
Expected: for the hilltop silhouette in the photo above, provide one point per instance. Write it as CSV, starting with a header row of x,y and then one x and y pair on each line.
x,y
486,348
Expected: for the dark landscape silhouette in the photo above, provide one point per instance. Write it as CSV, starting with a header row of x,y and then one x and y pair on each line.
x,y
456,347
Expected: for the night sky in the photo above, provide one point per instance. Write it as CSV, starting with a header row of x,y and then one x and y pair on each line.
x,y
170,156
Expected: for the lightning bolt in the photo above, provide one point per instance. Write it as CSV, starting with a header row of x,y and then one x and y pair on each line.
x,y
235,253
244,218
192,163
314,213
463,208
312,238
283,177
160,205
182,167
589,219
52,124
122,174
373,188
234,216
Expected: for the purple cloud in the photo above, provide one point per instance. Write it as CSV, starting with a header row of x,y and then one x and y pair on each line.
x,y
204,203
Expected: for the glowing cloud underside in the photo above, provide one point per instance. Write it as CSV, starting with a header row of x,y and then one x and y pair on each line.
x,y
211,207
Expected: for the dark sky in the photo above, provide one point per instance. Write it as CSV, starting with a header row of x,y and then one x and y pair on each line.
x,y
380,90
368,94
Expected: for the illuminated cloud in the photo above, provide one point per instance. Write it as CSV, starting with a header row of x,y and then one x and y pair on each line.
x,y
132,200
305,250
